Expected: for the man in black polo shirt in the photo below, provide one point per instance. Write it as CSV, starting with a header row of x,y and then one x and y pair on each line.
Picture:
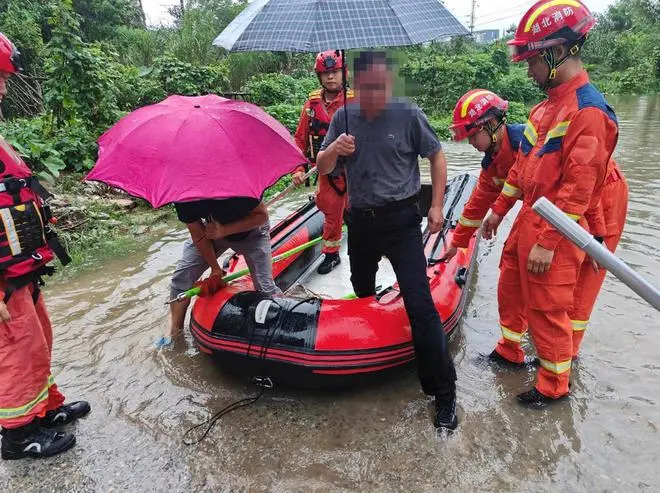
x,y
215,225
381,159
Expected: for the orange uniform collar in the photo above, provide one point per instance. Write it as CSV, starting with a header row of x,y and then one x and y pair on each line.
x,y
568,87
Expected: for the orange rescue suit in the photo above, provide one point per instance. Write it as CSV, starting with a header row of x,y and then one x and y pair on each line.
x,y
331,197
564,156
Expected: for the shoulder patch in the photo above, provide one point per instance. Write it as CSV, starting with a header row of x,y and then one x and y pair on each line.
x,y
316,94
590,97
515,133
350,94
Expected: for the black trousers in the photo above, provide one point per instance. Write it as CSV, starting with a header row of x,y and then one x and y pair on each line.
x,y
396,233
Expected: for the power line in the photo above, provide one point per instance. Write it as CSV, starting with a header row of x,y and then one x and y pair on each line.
x,y
500,19
516,8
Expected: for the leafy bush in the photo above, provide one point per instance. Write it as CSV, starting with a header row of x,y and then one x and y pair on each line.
x,y
177,77
79,83
49,150
287,114
271,89
518,112
516,86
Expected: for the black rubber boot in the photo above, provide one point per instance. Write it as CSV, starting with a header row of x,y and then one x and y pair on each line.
x,y
445,413
500,360
535,399
34,441
65,414
330,261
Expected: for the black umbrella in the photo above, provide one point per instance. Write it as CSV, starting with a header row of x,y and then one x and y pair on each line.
x,y
319,25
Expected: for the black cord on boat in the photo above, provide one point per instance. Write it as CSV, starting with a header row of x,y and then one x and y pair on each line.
x,y
262,383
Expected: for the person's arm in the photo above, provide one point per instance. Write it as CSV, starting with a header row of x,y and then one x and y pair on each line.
x,y
204,245
302,141
426,144
335,144
483,196
506,200
587,150
439,183
257,217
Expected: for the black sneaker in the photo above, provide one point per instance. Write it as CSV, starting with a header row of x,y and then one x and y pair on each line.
x,y
445,414
65,414
34,441
330,261
535,399
497,358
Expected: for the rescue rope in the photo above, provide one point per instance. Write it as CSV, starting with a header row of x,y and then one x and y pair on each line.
x,y
262,383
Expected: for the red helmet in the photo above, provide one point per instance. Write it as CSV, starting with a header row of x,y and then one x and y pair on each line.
x,y
9,56
550,23
328,61
473,110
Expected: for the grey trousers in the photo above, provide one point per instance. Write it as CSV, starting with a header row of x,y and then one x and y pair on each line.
x,y
255,248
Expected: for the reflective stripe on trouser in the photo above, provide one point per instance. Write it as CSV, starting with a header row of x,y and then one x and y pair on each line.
x,y
27,390
615,206
513,319
332,205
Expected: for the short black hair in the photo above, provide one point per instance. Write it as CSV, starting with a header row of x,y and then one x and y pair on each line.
x,y
366,59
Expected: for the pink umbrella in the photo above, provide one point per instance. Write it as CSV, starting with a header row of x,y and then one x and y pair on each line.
x,y
193,148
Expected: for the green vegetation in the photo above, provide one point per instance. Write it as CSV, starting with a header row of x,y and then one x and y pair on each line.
x,y
623,53
89,62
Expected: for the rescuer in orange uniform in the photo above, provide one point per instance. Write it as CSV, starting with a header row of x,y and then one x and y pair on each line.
x,y
314,122
480,116
30,402
565,155
614,205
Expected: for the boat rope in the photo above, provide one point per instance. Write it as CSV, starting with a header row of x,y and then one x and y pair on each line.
x,y
262,383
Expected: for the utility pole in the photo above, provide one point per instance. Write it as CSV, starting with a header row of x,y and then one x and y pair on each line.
x,y
472,15
143,16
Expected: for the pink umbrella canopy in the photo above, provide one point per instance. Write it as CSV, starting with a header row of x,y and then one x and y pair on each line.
x,y
194,148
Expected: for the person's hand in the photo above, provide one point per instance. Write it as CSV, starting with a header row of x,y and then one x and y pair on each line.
x,y
490,225
215,231
345,145
449,253
539,259
298,178
436,219
211,284
595,265
4,313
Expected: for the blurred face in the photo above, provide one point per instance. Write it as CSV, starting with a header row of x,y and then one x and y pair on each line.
x,y
4,77
374,88
332,81
481,140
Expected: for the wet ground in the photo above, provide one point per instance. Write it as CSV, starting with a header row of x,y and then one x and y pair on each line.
x,y
604,438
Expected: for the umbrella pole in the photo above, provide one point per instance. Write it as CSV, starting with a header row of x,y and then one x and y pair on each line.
x,y
344,77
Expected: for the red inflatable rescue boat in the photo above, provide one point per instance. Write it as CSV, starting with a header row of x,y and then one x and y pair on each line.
x,y
319,341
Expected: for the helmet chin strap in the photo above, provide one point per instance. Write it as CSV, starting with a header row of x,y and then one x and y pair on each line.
x,y
553,63
492,129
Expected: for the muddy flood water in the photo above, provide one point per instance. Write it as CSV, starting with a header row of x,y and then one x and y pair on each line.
x,y
604,438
